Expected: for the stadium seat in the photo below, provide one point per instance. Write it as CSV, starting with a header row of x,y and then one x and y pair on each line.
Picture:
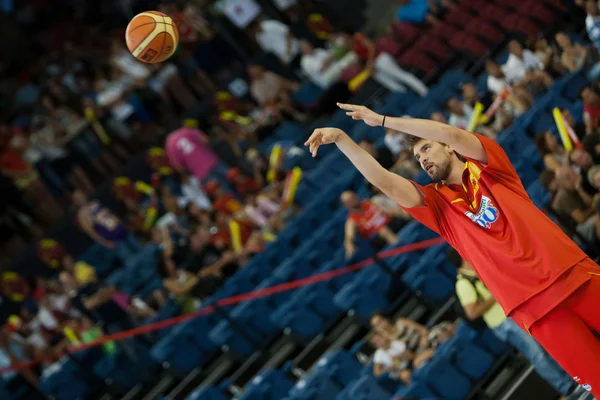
x,y
207,393
414,391
443,30
62,380
364,388
468,44
417,59
468,358
444,379
437,49
486,339
340,367
314,387
364,302
484,30
270,385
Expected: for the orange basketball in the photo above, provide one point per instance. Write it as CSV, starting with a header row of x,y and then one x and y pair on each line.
x,y
152,37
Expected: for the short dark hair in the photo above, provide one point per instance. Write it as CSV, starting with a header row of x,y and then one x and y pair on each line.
x,y
546,178
411,141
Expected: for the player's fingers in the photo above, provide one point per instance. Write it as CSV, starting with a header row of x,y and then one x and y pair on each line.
x,y
312,137
348,107
354,114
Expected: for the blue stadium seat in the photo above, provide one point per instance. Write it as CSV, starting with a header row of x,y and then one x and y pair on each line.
x,y
355,296
340,366
414,232
455,78
538,194
469,358
315,387
308,94
364,388
62,380
414,391
299,318
207,393
270,385
443,379
485,339
570,85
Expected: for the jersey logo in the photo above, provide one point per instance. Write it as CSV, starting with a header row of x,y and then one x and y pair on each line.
x,y
487,214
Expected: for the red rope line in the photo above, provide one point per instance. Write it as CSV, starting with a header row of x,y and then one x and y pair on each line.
x,y
255,294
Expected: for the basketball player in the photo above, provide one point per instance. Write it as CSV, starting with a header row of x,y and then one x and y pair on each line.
x,y
540,277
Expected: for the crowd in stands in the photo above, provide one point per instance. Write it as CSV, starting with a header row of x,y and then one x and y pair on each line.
x,y
212,198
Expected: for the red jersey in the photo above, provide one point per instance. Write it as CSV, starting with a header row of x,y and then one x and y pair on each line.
x,y
592,111
516,250
227,205
369,220
359,46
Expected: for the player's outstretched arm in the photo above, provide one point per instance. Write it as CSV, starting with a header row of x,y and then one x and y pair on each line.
x,y
465,143
396,187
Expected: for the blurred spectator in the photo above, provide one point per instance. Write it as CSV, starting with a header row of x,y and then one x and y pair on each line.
x,y
591,109
583,161
438,117
386,70
578,128
394,141
460,113
549,57
273,93
592,22
382,154
322,67
478,302
10,354
366,220
524,67
420,11
275,37
503,117
103,226
391,357
189,149
51,140
102,304
242,184
497,82
414,335
222,201
573,55
26,178
569,200
551,151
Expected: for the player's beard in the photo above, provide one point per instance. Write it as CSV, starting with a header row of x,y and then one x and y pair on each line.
x,y
441,171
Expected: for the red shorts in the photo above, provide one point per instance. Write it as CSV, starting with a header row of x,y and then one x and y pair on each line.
x,y
541,304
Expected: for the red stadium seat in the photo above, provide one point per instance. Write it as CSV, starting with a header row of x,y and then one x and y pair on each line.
x,y
418,59
493,12
470,4
557,4
457,17
406,32
443,30
483,29
467,43
538,11
436,48
515,23
386,44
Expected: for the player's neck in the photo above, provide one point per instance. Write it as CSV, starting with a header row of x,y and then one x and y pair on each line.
x,y
456,172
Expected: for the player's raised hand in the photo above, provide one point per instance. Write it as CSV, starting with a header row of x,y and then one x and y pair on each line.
x,y
323,136
362,113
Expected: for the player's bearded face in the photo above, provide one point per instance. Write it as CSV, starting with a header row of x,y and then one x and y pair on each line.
x,y
434,158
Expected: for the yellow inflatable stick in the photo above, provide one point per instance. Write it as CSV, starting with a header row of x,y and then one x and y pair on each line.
x,y
274,162
562,130
475,117
291,185
236,237
90,115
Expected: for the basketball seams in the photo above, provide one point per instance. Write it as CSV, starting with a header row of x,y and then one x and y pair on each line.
x,y
151,39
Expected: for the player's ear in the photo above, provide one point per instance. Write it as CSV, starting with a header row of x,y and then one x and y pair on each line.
x,y
449,149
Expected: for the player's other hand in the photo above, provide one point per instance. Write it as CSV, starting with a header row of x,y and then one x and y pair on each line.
x,y
323,136
362,113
